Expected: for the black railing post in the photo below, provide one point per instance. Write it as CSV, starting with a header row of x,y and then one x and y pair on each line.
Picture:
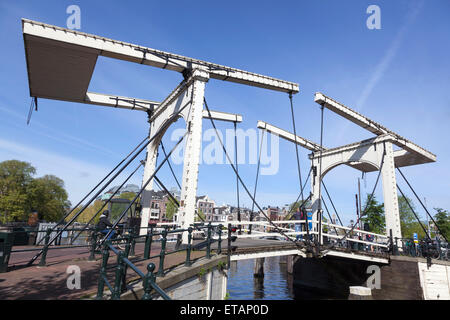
x,y
396,246
133,241
43,262
219,243
126,254
118,279
148,242
229,246
439,249
391,242
208,243
188,249
148,280
162,254
93,246
101,281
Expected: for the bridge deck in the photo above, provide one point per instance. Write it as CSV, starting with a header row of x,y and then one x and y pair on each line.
x,y
260,248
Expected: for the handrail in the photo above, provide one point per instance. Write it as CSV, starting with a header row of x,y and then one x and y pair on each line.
x,y
148,279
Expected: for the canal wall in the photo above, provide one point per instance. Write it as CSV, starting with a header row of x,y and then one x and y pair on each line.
x,y
404,278
205,279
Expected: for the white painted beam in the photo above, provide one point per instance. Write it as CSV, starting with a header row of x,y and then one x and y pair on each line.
x,y
223,116
84,42
374,127
305,143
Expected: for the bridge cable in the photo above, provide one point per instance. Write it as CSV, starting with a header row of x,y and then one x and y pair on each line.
x,y
109,182
329,197
415,215
241,181
296,145
366,207
420,201
237,180
106,202
329,216
256,182
143,187
170,166
60,231
87,195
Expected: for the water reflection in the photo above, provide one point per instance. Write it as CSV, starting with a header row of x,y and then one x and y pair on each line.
x,y
276,284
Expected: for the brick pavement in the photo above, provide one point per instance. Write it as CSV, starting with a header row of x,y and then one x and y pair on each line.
x,y
50,282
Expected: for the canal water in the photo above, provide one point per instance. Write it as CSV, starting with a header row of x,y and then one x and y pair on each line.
x,y
276,284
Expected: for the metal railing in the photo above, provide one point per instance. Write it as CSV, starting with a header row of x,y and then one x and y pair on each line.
x,y
428,249
149,279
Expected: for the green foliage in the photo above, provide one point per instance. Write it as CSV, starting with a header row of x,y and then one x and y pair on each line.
x,y
442,218
48,197
374,215
88,213
200,216
408,221
171,209
202,272
127,195
20,193
221,265
294,206
15,179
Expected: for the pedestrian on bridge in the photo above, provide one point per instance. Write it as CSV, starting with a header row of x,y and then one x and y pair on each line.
x,y
104,225
298,215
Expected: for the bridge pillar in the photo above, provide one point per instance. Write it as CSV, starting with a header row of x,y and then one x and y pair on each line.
x,y
258,271
390,196
186,211
149,168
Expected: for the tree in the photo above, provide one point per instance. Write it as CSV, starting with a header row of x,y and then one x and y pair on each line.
x,y
128,195
408,221
171,209
20,193
88,213
374,215
48,197
15,178
442,218
294,206
200,216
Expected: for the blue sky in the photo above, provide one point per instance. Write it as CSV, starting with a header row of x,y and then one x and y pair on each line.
x,y
399,76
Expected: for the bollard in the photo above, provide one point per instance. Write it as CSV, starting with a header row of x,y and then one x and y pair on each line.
x,y
162,254
43,262
188,249
101,281
148,280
